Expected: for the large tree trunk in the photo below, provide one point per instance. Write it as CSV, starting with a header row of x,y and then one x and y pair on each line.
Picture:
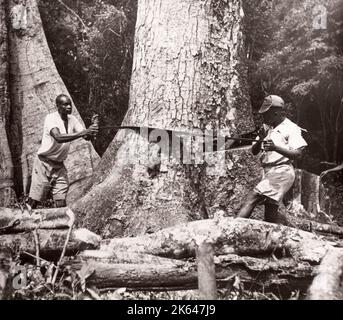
x,y
187,74
35,83
7,195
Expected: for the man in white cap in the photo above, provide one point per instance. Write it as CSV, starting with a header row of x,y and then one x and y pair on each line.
x,y
279,142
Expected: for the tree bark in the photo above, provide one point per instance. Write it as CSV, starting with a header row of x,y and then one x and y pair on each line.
x,y
124,257
7,195
187,74
206,271
35,83
239,236
327,285
286,274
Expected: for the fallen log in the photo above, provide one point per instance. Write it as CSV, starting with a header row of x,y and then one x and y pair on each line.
x,y
327,285
313,226
14,220
50,242
122,257
286,274
227,235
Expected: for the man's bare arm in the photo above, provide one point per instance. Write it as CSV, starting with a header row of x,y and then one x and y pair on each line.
x,y
338,168
68,137
257,146
290,154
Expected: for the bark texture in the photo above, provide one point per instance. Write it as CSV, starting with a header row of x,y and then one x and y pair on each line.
x,y
7,195
35,83
187,74
227,235
167,274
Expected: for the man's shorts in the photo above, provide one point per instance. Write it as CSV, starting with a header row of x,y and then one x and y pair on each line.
x,y
48,176
276,182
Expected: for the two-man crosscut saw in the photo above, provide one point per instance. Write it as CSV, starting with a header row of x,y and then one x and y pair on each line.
x,y
181,133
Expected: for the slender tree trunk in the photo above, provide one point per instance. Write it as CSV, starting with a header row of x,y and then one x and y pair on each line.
x,y
7,195
35,83
187,74
5,269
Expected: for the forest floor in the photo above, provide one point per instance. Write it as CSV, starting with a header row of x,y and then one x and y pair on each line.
x,y
69,284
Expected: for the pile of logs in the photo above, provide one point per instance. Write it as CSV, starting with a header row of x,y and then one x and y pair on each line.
x,y
44,234
235,252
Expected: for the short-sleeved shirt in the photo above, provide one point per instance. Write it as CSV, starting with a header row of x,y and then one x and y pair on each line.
x,y
286,135
50,148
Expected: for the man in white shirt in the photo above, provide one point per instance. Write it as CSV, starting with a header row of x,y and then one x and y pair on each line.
x,y
279,142
49,172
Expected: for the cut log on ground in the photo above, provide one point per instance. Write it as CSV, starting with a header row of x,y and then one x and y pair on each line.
x,y
287,274
126,257
51,242
14,220
313,226
327,285
228,235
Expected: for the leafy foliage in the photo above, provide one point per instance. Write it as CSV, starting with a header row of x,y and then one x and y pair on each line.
x,y
303,63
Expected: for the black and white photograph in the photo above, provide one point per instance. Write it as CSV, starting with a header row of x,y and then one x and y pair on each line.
x,y
180,151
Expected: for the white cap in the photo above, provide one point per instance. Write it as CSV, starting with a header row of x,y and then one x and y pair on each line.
x,y
271,101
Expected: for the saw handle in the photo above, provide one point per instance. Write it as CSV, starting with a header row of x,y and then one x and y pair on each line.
x,y
94,121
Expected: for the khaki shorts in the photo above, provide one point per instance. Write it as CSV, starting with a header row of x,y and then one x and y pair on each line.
x,y
48,176
276,182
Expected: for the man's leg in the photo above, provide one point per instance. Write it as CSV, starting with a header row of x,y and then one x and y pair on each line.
x,y
249,205
60,203
60,186
271,212
31,204
39,185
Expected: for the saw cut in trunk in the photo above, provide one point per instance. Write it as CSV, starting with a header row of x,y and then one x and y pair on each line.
x,y
188,74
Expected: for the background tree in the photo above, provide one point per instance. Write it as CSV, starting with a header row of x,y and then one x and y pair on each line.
x,y
7,195
303,63
34,84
